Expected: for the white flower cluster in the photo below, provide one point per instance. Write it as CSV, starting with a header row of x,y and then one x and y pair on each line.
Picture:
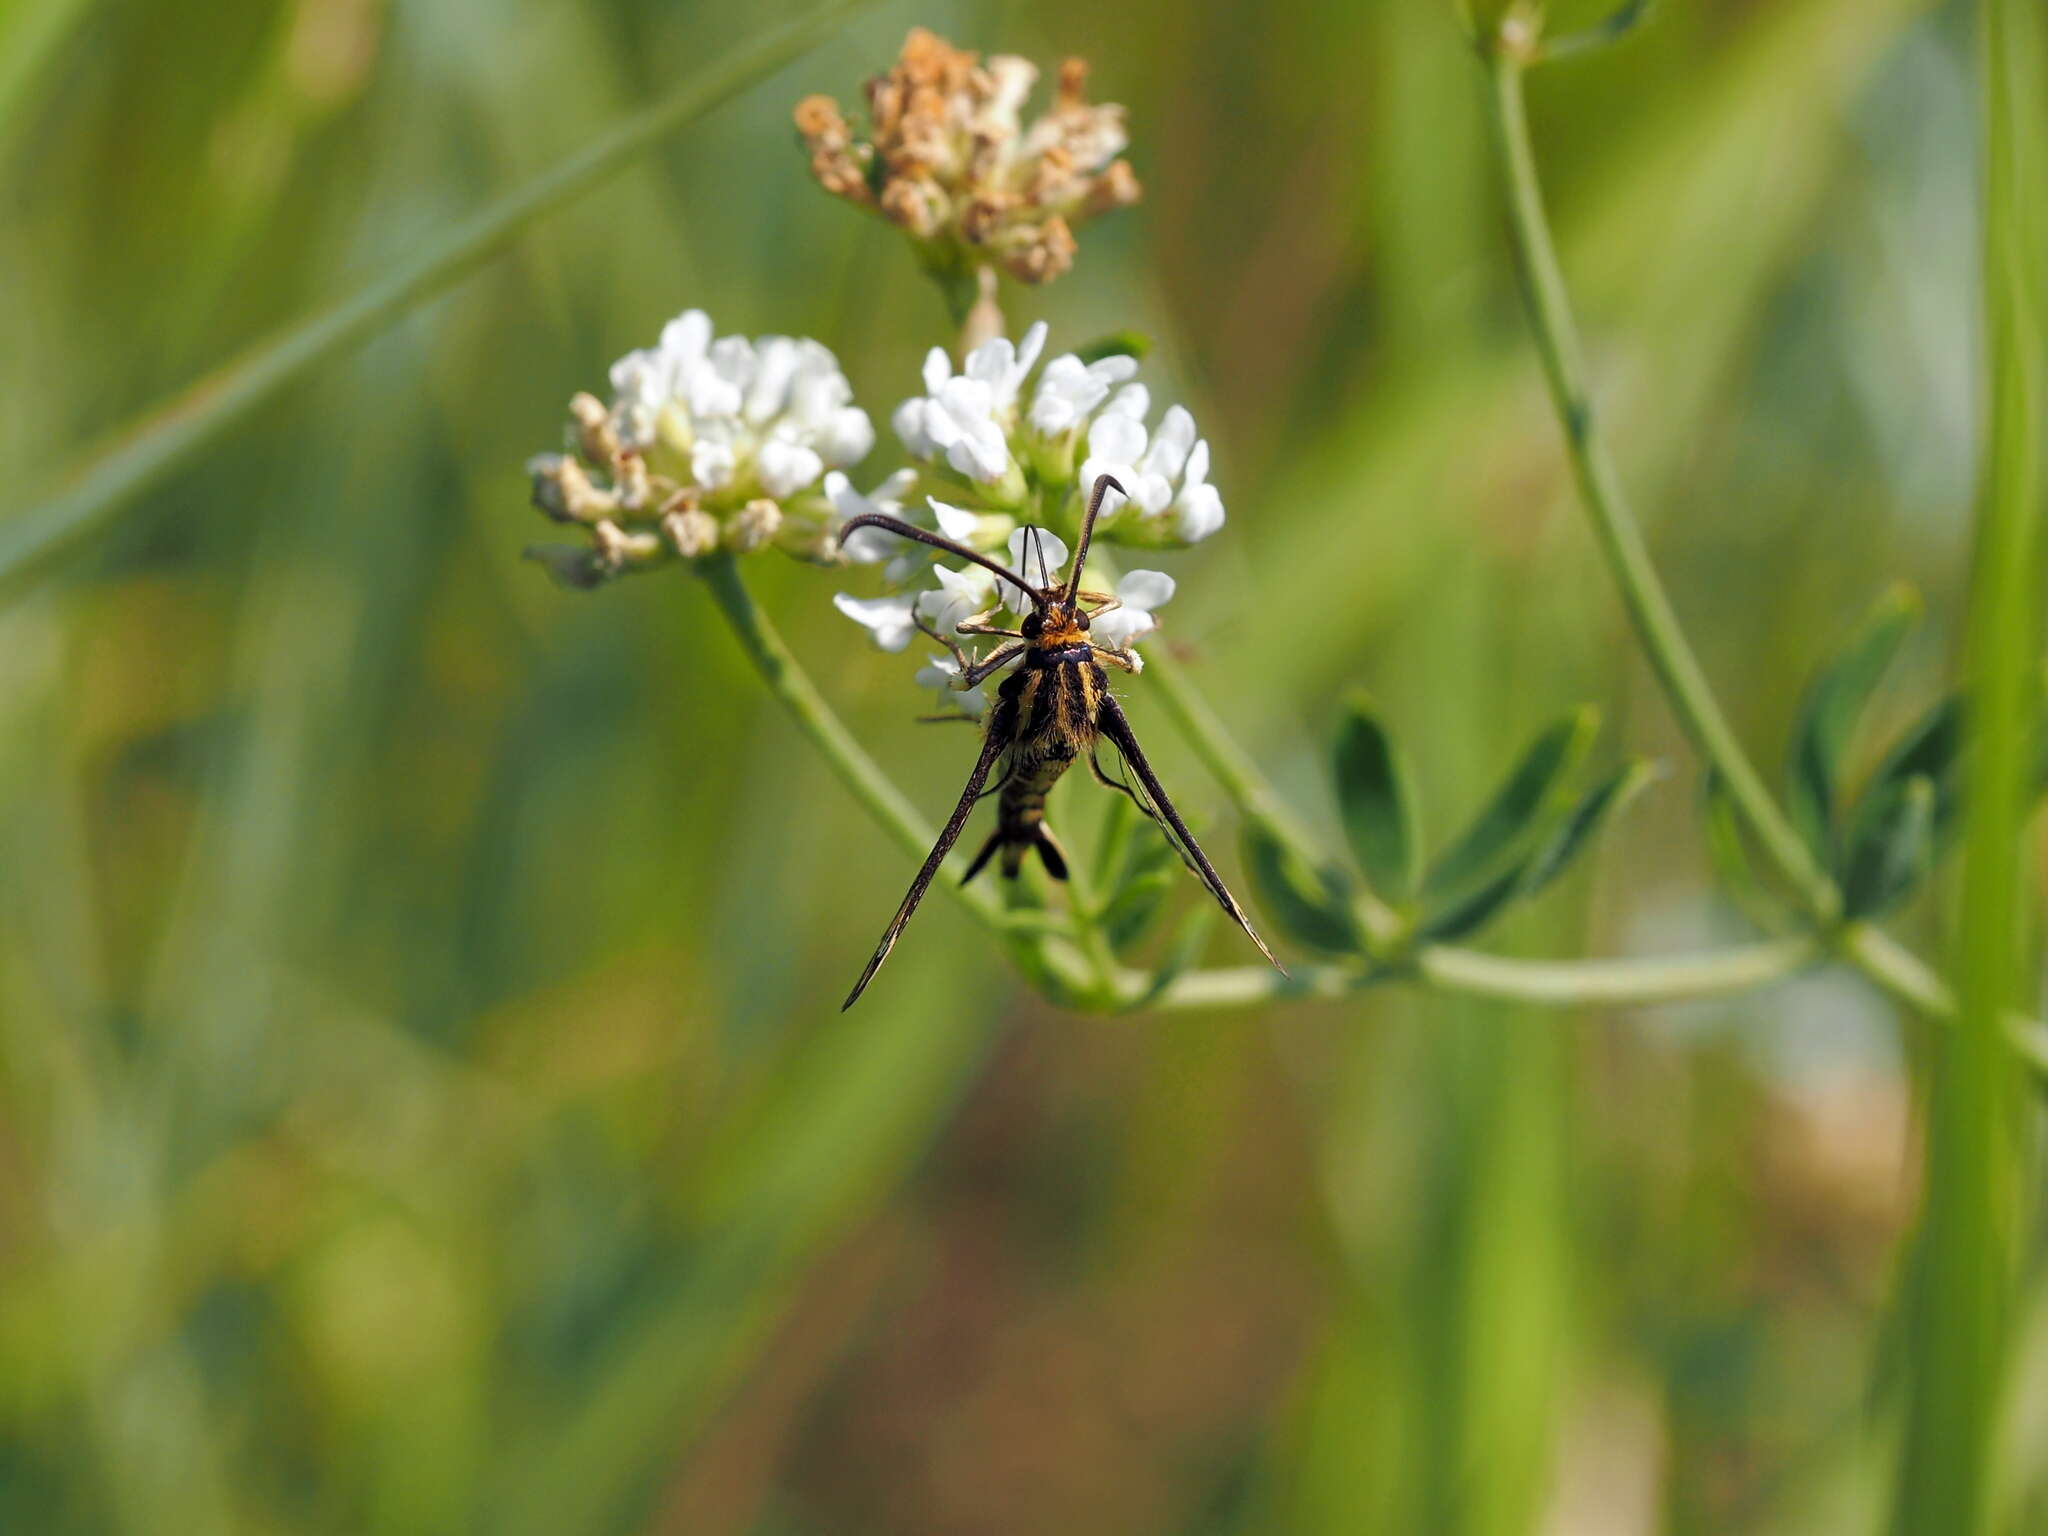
x,y
713,443
1008,441
708,442
779,408
978,429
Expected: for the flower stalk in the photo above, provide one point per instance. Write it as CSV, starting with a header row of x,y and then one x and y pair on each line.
x,y
1620,537
1508,55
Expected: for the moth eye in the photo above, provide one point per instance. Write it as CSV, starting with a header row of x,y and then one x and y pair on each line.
x,y
1081,620
1032,627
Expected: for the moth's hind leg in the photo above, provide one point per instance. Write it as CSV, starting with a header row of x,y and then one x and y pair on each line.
x,y
1049,851
1119,785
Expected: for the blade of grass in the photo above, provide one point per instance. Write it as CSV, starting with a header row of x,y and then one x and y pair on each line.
x,y
29,40
791,1177
1963,1276
142,454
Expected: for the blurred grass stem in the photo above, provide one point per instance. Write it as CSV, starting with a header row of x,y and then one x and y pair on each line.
x,y
145,452
1961,1305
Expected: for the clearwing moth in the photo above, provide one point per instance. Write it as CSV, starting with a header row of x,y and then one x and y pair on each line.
x,y
1054,709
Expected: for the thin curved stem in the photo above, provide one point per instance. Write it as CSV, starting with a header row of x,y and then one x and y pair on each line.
x,y
1621,542
1893,968
1544,983
861,774
171,434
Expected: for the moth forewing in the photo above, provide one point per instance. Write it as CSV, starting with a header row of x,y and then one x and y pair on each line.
x,y
1112,723
993,744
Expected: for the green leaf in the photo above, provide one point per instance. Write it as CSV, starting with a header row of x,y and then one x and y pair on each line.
x,y
1623,20
1931,749
1115,344
1827,718
1475,911
1149,853
1309,905
1895,852
1728,847
1513,812
1605,799
1132,910
1567,838
1189,939
1113,843
1379,815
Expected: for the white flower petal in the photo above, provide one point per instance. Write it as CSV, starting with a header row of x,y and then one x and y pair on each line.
x,y
846,436
786,468
1029,348
1120,626
1197,513
1145,589
687,338
990,363
909,424
938,368
711,463
1171,444
887,619
959,596
1116,438
943,673
956,523
1132,400
768,393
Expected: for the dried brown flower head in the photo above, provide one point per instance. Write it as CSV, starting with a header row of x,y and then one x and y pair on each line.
x,y
948,158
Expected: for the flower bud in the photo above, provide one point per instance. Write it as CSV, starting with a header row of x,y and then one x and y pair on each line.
x,y
753,526
691,532
594,428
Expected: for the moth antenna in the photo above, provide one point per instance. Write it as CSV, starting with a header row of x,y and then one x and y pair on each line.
x,y
901,529
1103,484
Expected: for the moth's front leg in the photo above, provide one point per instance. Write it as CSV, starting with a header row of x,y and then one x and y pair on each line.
x,y
964,660
979,625
1126,660
1102,602
999,658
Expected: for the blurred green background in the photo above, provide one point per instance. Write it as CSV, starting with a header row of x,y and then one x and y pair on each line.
x,y
426,1104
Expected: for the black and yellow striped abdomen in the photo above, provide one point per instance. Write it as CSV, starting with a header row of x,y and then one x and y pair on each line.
x,y
1051,702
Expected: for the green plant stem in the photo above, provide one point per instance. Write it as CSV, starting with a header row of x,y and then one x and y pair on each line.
x,y
1548,983
1877,956
1962,1299
139,456
1559,983
1621,541
849,761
